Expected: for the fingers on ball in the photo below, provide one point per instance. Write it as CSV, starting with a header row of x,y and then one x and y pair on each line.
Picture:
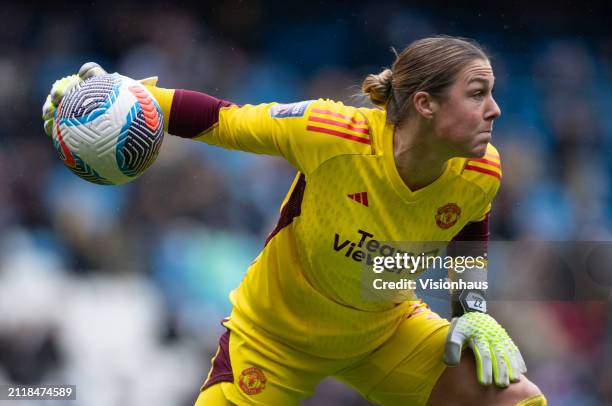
x,y
90,69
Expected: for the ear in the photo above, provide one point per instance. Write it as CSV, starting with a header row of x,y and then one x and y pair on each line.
x,y
425,105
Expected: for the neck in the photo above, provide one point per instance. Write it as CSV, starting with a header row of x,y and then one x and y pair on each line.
x,y
417,159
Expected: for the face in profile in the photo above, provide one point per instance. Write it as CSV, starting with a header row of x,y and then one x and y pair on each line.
x,y
464,120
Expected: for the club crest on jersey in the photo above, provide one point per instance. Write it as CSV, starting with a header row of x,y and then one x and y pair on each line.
x,y
447,215
289,110
252,381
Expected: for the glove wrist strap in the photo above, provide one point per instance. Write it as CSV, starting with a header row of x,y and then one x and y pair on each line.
x,y
469,300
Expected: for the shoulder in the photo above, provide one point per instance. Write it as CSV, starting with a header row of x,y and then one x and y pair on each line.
x,y
485,172
334,129
344,122
313,132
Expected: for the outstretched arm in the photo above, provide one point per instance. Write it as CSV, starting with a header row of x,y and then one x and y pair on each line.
x,y
285,130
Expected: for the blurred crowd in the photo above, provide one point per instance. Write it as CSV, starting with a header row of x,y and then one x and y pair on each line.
x,y
120,290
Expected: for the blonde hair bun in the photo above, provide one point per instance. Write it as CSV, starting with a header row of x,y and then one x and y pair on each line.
x,y
378,87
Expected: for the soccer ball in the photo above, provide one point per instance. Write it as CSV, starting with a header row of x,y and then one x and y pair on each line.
x,y
108,129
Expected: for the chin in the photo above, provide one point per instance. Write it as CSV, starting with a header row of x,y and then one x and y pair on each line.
x,y
477,151
480,152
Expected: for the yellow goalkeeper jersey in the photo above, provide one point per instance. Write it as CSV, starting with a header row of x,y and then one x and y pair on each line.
x,y
347,199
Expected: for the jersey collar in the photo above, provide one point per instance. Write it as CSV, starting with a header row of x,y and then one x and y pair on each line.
x,y
398,184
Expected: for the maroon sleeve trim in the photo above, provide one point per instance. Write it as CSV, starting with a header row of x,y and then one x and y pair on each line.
x,y
192,113
478,233
291,209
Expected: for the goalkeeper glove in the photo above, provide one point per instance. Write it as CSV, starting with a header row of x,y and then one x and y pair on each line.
x,y
62,86
497,357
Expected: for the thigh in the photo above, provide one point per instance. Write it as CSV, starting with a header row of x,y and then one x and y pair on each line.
x,y
255,370
459,386
213,396
404,369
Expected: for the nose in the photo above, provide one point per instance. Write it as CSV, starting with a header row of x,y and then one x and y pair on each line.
x,y
492,111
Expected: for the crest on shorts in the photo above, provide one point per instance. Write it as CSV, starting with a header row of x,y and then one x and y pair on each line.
x,y
447,215
252,381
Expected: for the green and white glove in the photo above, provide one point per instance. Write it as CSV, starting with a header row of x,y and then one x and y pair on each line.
x,y
64,85
497,357
61,87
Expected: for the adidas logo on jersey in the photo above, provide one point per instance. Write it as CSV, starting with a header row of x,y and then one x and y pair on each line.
x,y
360,197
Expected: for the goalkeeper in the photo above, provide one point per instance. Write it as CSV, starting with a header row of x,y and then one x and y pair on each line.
x,y
419,168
